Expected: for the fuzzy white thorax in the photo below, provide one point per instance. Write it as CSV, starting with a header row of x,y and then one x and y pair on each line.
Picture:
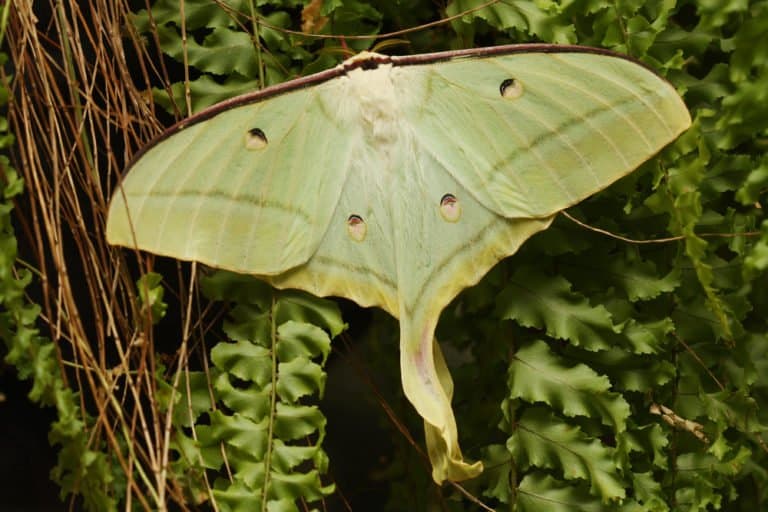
x,y
371,93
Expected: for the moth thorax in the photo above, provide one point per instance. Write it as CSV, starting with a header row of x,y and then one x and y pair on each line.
x,y
377,103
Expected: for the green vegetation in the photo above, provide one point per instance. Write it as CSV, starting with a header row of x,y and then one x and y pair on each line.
x,y
619,362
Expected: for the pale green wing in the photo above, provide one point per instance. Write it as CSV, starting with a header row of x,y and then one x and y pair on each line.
x,y
413,253
202,194
573,123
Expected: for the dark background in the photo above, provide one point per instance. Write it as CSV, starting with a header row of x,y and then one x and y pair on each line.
x,y
26,457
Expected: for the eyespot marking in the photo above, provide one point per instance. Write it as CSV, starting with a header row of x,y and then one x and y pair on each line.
x,y
511,88
356,228
255,139
450,208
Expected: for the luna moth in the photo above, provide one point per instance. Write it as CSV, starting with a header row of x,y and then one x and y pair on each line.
x,y
396,182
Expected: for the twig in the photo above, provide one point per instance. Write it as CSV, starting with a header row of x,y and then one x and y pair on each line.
x,y
654,240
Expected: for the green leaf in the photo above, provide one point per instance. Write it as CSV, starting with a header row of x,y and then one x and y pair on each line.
x,y
702,479
14,184
241,432
236,497
284,505
252,401
498,473
536,374
754,184
353,17
534,299
150,297
649,441
204,91
203,453
285,457
298,339
223,51
299,377
647,337
187,407
543,441
757,260
294,422
638,279
538,492
296,485
532,18
244,360
303,307
223,285
733,409
648,491
629,372
198,13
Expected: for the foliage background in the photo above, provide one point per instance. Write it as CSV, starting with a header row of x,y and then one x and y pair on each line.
x,y
592,372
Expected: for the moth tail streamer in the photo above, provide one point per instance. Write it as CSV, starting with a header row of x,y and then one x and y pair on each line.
x,y
429,387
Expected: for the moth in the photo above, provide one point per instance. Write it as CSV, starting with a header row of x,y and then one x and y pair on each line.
x,y
397,182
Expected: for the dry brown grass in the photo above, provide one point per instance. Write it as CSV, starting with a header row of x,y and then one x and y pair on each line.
x,y
79,112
